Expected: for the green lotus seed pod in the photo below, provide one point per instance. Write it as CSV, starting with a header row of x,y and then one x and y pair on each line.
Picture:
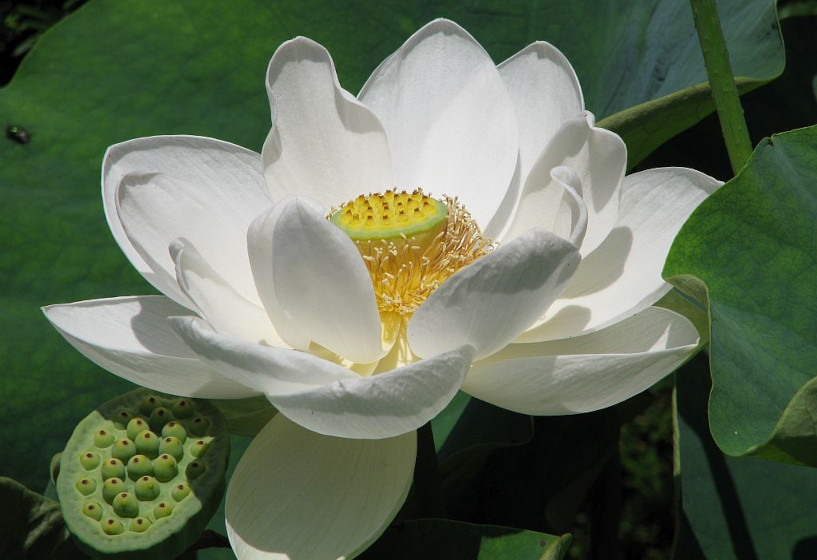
x,y
199,448
125,505
158,418
172,446
103,438
123,449
92,510
174,429
139,466
112,487
147,443
148,404
121,419
112,526
162,509
86,486
139,525
195,470
113,468
198,426
165,467
136,426
180,492
147,488
182,409
89,460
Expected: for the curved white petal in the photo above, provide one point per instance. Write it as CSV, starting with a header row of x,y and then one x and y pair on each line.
x,y
131,337
448,116
297,495
327,398
588,372
488,303
314,283
224,308
623,276
161,188
598,157
324,143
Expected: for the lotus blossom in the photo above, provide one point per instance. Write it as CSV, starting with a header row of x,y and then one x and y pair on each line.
x,y
457,225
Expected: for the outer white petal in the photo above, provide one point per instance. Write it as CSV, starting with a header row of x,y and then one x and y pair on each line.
x,y
314,283
324,143
131,337
623,276
329,399
488,303
161,188
297,495
450,121
224,308
598,157
588,372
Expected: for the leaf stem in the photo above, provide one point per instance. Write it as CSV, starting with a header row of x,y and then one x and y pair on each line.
x,y
427,479
724,91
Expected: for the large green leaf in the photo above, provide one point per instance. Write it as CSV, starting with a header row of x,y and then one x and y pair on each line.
x,y
114,71
750,249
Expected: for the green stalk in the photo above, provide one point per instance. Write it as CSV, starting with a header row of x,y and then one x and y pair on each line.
x,y
427,479
722,82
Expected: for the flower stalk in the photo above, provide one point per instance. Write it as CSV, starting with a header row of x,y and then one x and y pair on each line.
x,y
722,82
427,480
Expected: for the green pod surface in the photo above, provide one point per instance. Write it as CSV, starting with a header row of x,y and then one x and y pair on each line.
x,y
123,512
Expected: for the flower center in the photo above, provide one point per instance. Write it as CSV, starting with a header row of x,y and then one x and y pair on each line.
x,y
411,243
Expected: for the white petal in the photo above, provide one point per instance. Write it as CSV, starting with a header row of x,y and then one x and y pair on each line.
x,y
161,188
598,157
131,337
297,495
623,276
488,303
448,116
585,373
545,93
224,308
324,143
314,283
329,399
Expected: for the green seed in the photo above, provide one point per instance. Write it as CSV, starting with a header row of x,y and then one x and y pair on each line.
x,y
136,426
112,487
199,448
139,525
148,404
180,492
103,438
162,509
158,418
172,446
147,489
92,510
147,443
139,466
182,409
174,429
198,426
89,460
165,467
121,419
112,526
113,468
194,470
123,449
125,505
86,486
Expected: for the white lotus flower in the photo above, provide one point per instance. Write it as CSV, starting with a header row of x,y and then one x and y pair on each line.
x,y
264,294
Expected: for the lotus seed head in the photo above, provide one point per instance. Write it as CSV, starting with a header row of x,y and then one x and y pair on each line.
x,y
89,460
113,468
103,438
147,405
199,448
139,525
147,489
147,443
162,509
139,466
176,430
198,426
123,449
194,470
113,526
172,446
86,486
180,492
182,409
122,418
92,510
125,505
165,467
136,426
